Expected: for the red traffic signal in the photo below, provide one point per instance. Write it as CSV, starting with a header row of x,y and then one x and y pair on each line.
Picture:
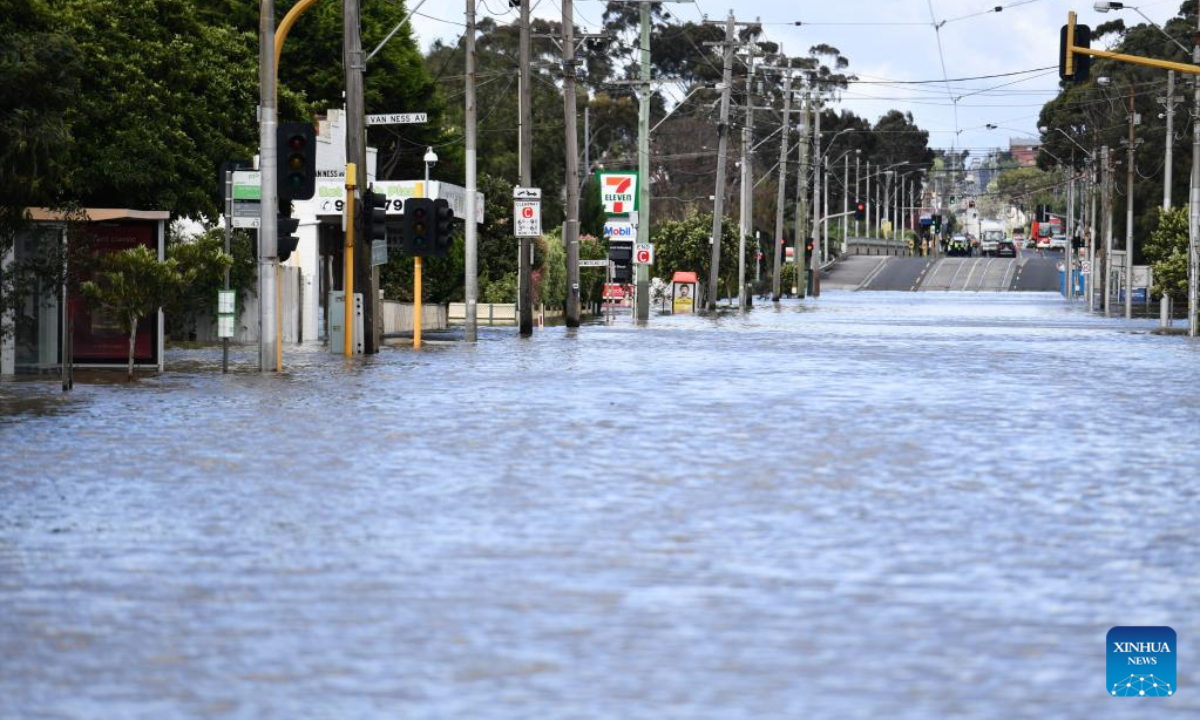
x,y
860,210
296,165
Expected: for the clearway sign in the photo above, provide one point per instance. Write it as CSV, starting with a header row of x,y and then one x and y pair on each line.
x,y
618,192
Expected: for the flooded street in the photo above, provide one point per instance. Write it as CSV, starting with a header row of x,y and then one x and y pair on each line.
x,y
902,505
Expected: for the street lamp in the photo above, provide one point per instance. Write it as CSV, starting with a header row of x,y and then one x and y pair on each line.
x,y
430,160
1103,7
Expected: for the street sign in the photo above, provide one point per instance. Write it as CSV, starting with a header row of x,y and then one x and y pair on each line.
x,y
602,263
524,193
397,118
247,192
619,230
379,252
643,254
527,218
618,192
226,313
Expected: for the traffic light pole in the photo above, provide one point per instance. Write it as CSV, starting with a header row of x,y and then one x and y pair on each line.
x,y
347,262
269,203
417,303
470,230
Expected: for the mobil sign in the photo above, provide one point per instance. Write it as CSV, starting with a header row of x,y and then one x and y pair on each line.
x,y
619,230
618,192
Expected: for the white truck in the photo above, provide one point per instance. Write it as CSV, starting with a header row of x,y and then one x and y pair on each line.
x,y
990,235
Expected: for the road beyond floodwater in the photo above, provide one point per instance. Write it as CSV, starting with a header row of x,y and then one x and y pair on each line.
x,y
901,505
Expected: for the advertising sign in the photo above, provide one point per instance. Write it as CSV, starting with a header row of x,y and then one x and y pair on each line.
x,y
618,192
619,230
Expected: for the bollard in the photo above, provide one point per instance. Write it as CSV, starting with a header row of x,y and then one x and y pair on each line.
x,y
1164,311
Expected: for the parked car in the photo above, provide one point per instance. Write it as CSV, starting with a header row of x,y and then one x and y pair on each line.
x,y
1058,242
1006,248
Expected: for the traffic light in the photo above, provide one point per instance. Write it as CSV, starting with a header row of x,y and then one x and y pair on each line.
x,y
1073,66
443,228
296,166
374,215
416,239
286,238
860,211
808,247
937,224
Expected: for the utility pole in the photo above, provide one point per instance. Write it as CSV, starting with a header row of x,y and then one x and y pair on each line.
x,y
643,228
722,145
1093,191
814,262
781,190
1169,103
366,276
571,224
1128,284
745,221
798,252
268,261
845,200
525,159
857,182
1194,198
1108,229
1069,250
471,243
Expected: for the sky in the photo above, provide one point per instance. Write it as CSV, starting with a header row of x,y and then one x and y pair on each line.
x,y
889,40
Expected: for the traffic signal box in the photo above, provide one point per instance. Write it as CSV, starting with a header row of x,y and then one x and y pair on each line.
x,y
286,239
860,211
1073,66
296,166
416,241
374,215
443,228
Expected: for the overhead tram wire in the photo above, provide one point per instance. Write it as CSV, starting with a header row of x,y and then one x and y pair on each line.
x,y
937,31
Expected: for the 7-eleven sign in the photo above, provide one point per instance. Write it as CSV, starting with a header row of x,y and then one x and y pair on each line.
x,y
618,192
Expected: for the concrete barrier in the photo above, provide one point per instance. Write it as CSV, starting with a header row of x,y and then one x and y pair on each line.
x,y
487,313
398,317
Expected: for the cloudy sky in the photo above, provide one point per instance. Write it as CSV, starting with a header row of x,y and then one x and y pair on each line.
x,y
891,40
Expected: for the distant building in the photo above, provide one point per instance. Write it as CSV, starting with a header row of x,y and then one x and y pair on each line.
x,y
1024,150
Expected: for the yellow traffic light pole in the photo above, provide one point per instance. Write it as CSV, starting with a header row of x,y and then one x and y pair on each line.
x,y
1071,49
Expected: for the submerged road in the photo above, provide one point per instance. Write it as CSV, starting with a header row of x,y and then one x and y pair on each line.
x,y
901,505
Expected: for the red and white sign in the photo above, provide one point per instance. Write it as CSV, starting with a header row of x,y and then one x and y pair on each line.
x,y
643,254
618,192
527,218
614,291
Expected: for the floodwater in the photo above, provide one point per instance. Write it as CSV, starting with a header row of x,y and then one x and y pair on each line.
x,y
911,505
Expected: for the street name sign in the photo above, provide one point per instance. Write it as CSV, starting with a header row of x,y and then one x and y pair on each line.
x,y
601,263
397,118
527,193
527,218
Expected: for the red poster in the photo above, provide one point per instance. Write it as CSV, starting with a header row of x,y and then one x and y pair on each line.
x,y
97,335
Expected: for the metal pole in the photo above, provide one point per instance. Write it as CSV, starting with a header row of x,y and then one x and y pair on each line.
x,y
525,160
471,245
228,235
643,229
1108,230
781,190
348,263
1194,210
1170,143
857,192
356,152
1093,190
269,201
571,224
801,214
1128,284
744,221
813,262
722,144
1069,250
825,208
845,198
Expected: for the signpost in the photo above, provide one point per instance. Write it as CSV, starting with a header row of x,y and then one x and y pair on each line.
x,y
527,216
247,196
397,119
601,263
226,313
643,254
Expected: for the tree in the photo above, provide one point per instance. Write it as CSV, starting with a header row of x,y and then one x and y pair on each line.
x,y
203,260
1167,252
682,245
131,284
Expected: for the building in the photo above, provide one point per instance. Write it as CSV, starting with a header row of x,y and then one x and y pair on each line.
x,y
1025,151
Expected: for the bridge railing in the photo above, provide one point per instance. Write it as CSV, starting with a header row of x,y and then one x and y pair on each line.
x,y
873,246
